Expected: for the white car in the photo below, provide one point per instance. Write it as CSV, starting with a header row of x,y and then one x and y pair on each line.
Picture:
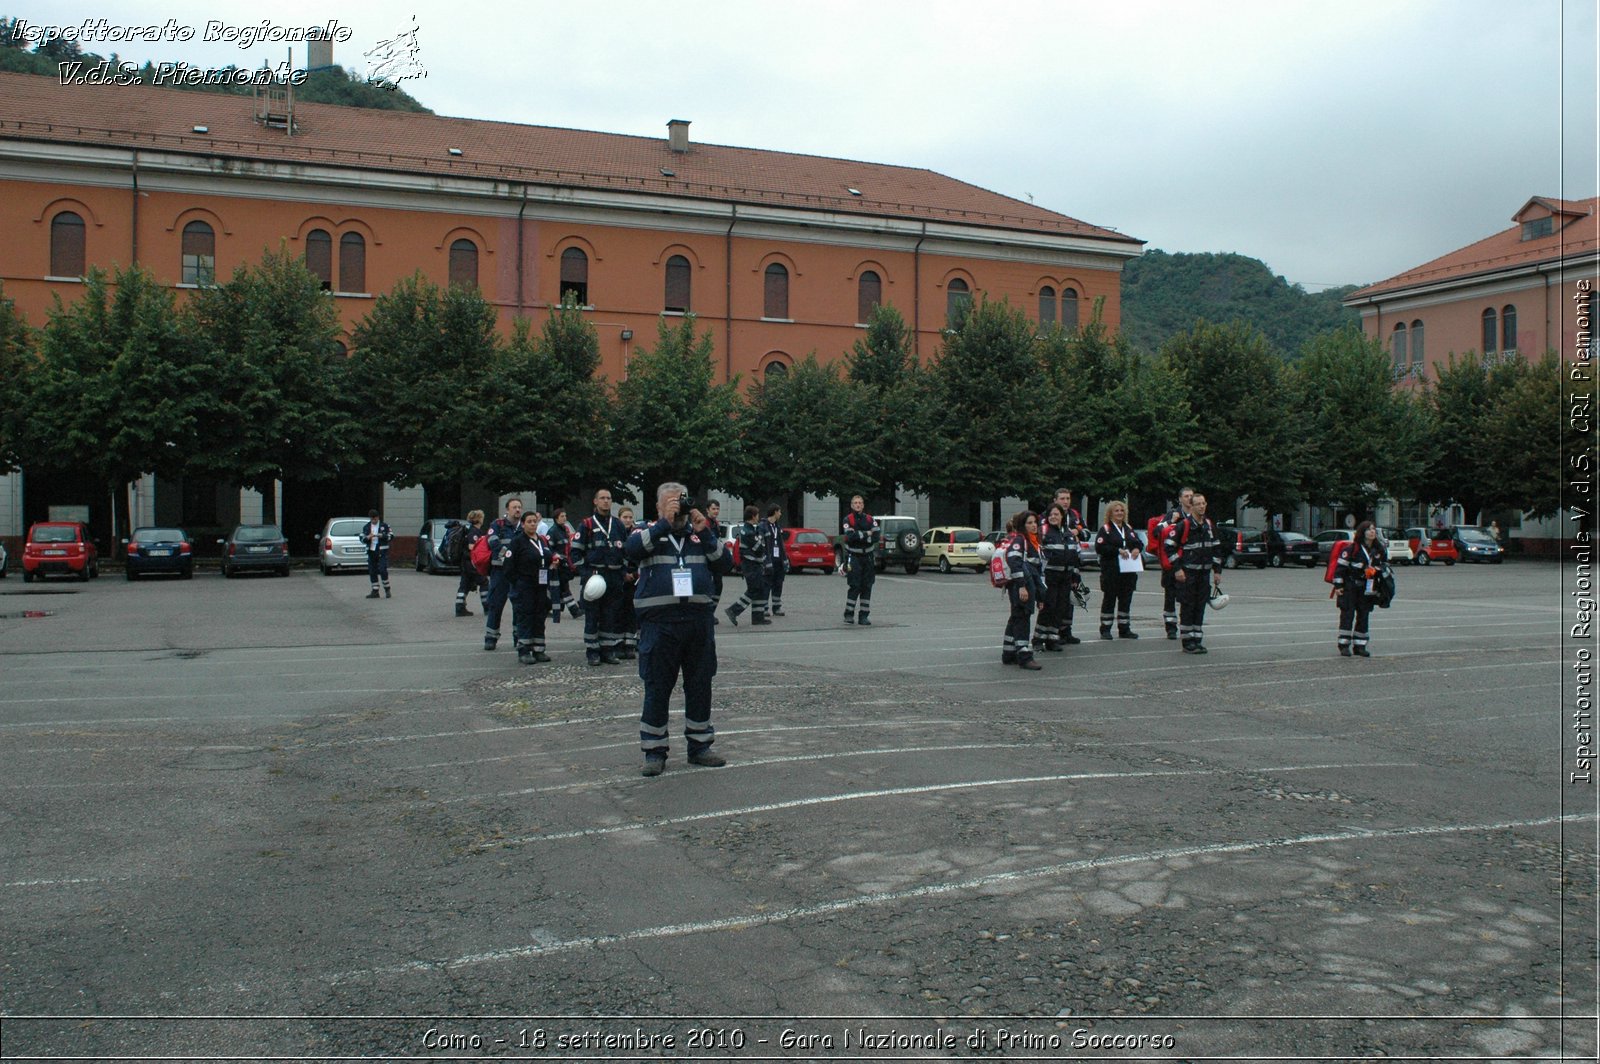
x,y
339,545
1398,546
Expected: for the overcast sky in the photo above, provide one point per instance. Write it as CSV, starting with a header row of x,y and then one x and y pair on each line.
x,y
1341,142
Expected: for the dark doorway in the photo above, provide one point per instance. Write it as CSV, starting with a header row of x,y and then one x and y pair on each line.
x,y
307,505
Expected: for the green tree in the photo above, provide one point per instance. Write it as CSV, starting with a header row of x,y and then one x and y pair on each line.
x,y
1363,437
1232,374
993,395
271,332
415,386
17,362
1455,456
900,414
1526,430
802,431
672,422
549,408
119,390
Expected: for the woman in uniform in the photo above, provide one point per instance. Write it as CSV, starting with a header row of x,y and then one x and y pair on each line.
x,y
1116,541
1356,581
529,569
1024,589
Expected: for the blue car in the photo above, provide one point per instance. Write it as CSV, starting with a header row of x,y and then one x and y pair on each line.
x,y
160,550
1475,544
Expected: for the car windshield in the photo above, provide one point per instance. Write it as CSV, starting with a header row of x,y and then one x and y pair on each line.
x,y
810,537
1473,535
256,534
1293,537
157,535
56,534
968,535
896,522
350,527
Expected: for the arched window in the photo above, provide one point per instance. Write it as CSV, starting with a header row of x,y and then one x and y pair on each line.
x,y
958,300
66,245
464,263
352,263
869,293
1491,331
199,254
1416,348
1069,309
319,257
575,276
776,368
677,293
775,292
1047,305
1508,329
1397,347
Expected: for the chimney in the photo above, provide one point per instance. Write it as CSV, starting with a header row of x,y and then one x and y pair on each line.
x,y
678,135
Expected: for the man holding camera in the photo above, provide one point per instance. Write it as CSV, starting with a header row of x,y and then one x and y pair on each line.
x,y
676,556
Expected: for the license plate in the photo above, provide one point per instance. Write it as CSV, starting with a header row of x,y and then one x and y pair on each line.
x,y
354,550
160,554
55,554
259,550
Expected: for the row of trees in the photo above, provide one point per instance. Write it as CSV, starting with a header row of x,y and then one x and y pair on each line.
x,y
242,383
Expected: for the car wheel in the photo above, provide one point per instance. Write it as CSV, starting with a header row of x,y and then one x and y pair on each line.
x,y
27,577
944,564
1423,558
326,571
83,575
1276,561
129,574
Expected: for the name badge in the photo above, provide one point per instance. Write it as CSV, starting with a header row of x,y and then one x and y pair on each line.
x,y
682,582
544,576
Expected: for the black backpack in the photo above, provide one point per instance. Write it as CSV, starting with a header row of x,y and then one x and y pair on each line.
x,y
451,549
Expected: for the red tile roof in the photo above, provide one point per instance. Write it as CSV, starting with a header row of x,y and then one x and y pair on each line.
x,y
1504,250
135,116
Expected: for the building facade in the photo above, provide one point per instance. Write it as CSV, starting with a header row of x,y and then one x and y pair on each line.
x,y
778,254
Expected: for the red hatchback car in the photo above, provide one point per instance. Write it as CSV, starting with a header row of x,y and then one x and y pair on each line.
x,y
808,548
62,547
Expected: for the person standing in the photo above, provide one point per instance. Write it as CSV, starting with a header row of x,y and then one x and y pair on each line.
x,y
754,562
528,570
861,537
676,557
1120,550
1158,536
1073,522
501,531
375,535
778,559
1061,566
628,624
1025,589
1196,553
470,581
714,520
599,544
560,536
1356,581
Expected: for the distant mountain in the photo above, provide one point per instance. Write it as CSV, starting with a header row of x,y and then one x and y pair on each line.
x,y
1165,294
331,85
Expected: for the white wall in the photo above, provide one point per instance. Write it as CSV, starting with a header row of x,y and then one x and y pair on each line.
x,y
11,505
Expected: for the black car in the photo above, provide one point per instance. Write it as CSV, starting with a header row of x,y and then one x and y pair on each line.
x,y
159,550
1245,546
255,547
1290,548
429,540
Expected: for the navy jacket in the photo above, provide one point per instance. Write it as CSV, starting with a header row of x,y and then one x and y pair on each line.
x,y
658,550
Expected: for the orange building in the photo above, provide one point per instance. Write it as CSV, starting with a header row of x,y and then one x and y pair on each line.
x,y
779,254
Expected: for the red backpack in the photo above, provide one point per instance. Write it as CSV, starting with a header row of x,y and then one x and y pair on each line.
x,y
1333,558
1156,530
999,570
480,555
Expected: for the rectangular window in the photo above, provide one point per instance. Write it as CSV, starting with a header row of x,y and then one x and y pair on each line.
x,y
352,263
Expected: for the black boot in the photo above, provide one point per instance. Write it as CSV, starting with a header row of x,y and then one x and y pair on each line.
x,y
462,611
1125,632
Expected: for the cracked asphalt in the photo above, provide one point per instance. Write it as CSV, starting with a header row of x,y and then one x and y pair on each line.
x,y
272,817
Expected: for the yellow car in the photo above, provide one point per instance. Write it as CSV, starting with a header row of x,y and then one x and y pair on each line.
x,y
954,548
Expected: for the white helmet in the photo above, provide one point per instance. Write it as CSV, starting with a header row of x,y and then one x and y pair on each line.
x,y
1219,600
594,588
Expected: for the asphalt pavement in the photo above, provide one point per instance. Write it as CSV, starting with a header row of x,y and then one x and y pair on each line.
x,y
272,817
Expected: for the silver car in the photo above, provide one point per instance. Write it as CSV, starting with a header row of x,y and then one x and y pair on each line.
x,y
339,545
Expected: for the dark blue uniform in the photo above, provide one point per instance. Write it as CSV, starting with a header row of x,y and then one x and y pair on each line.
x,y
777,566
861,536
600,543
528,568
1061,573
676,635
1196,551
1116,586
375,536
1024,572
560,537
501,531
470,580
754,563
1358,593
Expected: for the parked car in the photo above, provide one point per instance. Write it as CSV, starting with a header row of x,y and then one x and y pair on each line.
x,y
1475,544
339,545
954,547
1286,548
901,543
1245,546
59,547
429,540
159,550
1398,546
1325,541
808,548
255,547
730,543
1431,545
